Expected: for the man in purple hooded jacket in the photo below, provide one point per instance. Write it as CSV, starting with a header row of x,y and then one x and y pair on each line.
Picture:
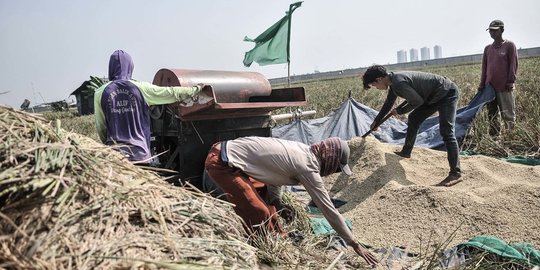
x,y
122,108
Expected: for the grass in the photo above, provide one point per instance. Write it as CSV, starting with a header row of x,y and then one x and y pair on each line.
x,y
71,121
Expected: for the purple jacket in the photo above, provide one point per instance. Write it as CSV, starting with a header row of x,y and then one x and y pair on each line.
x,y
127,114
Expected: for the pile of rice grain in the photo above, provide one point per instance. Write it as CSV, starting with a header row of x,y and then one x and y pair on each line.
x,y
67,202
392,201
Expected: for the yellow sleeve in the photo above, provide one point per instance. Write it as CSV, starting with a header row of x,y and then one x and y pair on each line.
x,y
157,95
101,125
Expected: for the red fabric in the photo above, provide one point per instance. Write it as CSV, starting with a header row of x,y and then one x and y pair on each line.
x,y
242,193
328,152
499,66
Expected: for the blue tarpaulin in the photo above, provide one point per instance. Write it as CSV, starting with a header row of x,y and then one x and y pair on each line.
x,y
353,119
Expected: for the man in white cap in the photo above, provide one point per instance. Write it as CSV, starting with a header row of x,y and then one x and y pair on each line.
x,y
276,162
499,70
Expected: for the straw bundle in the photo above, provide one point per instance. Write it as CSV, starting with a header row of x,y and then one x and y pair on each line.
x,y
69,202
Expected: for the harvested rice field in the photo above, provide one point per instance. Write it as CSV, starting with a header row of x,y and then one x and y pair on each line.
x,y
68,202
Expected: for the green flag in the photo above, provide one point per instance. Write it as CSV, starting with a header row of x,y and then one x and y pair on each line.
x,y
272,46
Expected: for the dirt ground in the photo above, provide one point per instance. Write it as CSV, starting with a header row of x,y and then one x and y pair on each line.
x,y
392,201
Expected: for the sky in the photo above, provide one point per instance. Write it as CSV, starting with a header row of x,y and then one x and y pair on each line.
x,y
48,48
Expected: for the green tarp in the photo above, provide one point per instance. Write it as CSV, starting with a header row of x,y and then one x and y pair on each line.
x,y
522,160
524,252
320,226
512,159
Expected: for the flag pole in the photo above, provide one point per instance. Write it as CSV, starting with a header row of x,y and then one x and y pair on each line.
x,y
269,45
289,46
289,74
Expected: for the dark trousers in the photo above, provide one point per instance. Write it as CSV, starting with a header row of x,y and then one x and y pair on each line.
x,y
447,120
242,192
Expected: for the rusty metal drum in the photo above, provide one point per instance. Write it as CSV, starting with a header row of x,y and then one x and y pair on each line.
x,y
228,86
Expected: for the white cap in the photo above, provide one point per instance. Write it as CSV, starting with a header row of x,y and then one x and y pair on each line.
x,y
344,159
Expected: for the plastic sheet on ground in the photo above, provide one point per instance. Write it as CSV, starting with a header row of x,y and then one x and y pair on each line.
x,y
353,119
320,226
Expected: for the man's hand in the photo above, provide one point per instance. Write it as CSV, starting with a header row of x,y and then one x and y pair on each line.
x,y
373,126
285,211
394,112
364,253
510,87
205,90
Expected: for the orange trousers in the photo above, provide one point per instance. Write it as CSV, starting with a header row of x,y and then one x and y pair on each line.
x,y
241,191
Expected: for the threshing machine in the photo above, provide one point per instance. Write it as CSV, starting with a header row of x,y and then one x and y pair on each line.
x,y
239,105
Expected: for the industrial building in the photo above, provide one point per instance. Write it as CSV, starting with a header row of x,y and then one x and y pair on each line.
x,y
402,56
424,53
413,54
437,52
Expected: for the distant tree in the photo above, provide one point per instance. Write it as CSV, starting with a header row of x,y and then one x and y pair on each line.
x,y
94,83
59,106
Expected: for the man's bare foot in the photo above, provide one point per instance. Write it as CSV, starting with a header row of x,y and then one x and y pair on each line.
x,y
450,180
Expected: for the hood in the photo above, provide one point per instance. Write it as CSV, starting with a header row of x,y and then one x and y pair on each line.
x,y
120,66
